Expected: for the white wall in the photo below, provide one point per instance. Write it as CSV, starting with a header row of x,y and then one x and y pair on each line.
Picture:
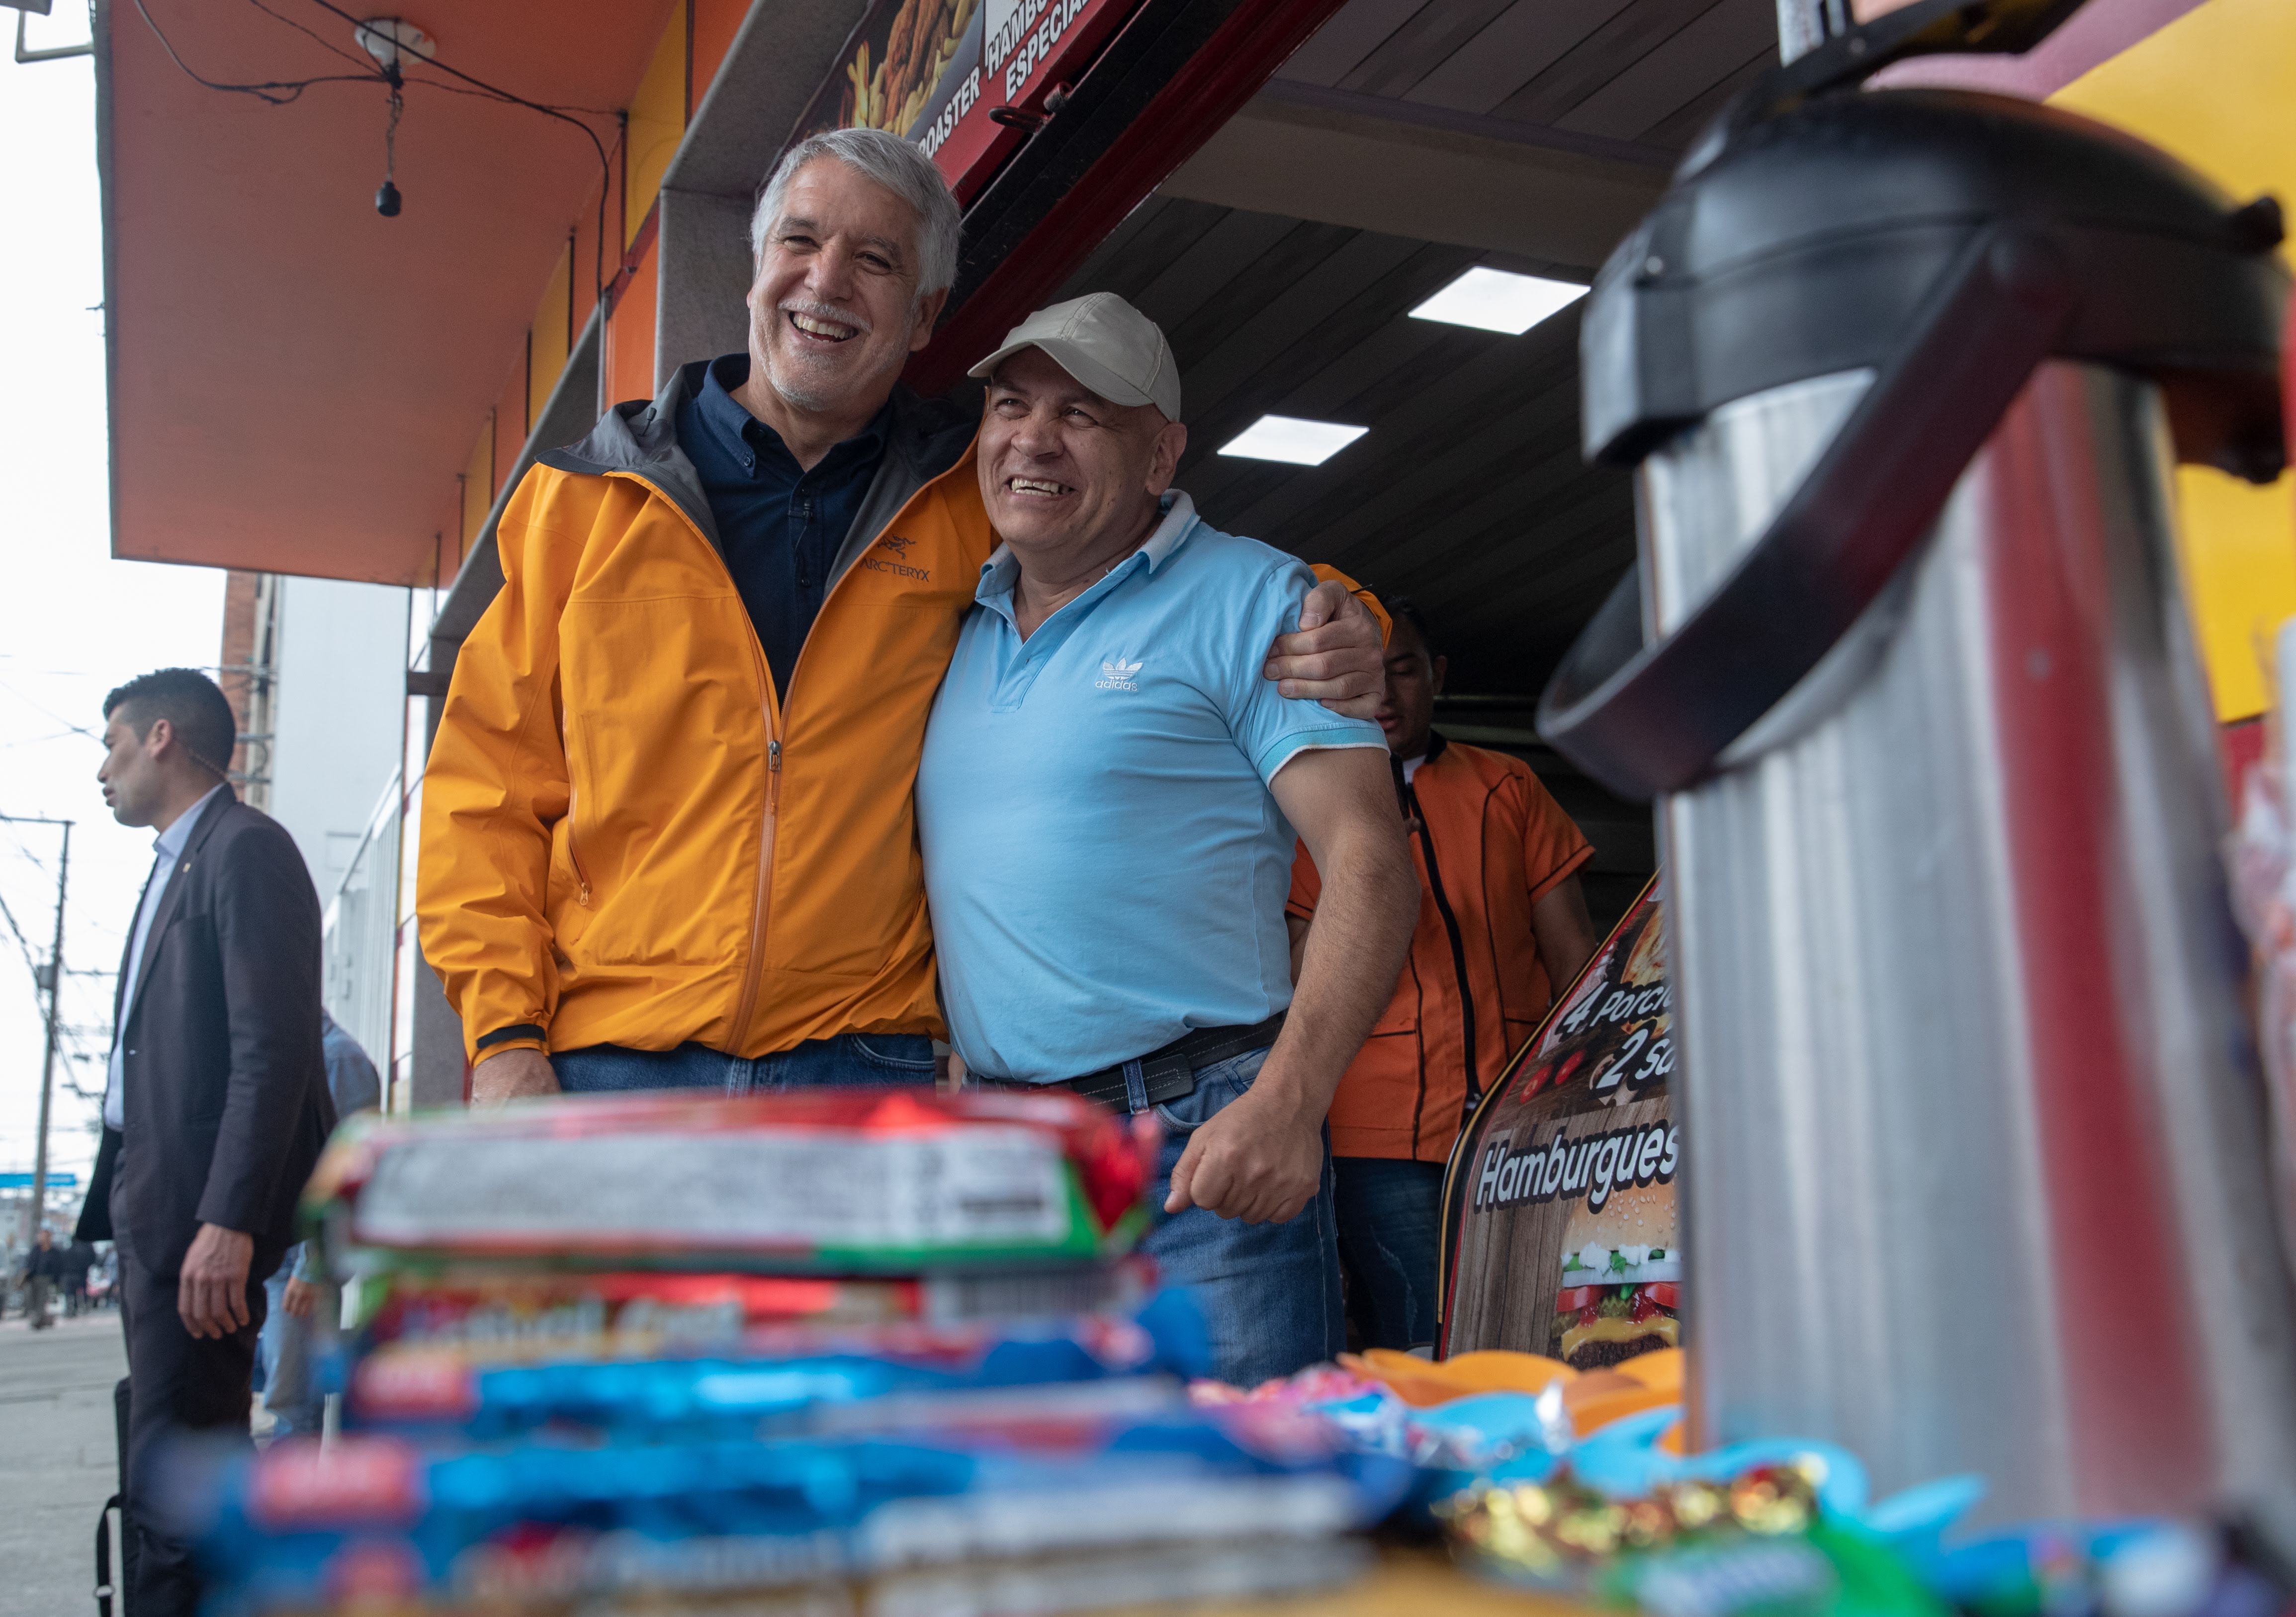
x,y
342,697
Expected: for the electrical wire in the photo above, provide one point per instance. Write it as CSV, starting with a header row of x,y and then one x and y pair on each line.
x,y
280,92
605,163
31,961
361,62
264,90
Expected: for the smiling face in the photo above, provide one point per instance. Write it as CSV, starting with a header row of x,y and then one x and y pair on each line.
x,y
1406,711
1062,471
834,312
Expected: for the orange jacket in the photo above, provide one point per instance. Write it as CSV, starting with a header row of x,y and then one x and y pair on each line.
x,y
629,836
1500,843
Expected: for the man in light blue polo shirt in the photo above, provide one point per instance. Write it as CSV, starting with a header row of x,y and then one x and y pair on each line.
x,y
1107,803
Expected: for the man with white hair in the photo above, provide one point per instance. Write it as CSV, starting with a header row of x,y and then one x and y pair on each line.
x,y
667,831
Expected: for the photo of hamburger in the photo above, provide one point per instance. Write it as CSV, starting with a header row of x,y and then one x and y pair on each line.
x,y
1621,1281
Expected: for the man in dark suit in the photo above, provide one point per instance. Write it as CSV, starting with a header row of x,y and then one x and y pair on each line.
x,y
216,1106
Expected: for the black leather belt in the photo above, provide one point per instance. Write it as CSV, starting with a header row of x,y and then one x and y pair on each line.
x,y
1169,1073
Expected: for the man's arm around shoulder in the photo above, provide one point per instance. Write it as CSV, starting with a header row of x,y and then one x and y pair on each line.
x,y
1336,654
1261,1157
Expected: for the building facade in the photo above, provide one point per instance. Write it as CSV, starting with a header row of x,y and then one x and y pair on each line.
x,y
1286,184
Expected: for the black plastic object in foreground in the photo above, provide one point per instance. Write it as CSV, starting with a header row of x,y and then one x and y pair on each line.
x,y
1948,241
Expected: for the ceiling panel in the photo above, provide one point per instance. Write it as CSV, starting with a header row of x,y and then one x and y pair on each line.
x,y
1526,38
1617,69
1360,27
1421,45
1609,51
1714,46
1403,142
1467,492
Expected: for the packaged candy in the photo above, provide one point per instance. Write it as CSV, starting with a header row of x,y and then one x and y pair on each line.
x,y
533,1528
815,1182
775,1375
513,1314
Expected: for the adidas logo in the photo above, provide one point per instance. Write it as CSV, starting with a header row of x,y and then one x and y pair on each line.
x,y
1118,675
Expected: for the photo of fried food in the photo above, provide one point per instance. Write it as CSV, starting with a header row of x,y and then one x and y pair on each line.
x,y
888,88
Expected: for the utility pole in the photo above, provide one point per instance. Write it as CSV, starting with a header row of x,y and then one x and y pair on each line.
x,y
52,980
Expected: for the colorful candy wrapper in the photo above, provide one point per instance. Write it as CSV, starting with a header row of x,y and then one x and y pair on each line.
x,y
532,1528
811,1182
426,1387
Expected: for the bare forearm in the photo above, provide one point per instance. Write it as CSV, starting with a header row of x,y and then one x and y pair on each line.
x,y
1564,932
1347,970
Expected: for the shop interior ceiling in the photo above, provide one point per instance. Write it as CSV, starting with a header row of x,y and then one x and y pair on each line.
x,y
1408,141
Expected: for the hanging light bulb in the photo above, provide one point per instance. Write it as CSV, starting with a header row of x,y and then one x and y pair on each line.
x,y
386,196
390,40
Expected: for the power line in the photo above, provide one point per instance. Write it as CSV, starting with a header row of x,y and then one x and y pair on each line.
x,y
31,960
265,90
280,92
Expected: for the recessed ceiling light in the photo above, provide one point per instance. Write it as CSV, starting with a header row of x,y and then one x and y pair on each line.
x,y
1287,437
1498,300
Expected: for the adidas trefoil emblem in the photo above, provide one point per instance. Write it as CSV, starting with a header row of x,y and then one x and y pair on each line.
x,y
1118,675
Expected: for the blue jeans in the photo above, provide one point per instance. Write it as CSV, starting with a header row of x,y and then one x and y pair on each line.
x,y
1391,1229
294,1398
1270,1292
845,1061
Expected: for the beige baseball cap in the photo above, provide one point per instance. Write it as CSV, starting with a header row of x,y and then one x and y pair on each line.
x,y
1104,343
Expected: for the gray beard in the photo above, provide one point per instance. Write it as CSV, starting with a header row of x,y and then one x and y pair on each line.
x,y
802,391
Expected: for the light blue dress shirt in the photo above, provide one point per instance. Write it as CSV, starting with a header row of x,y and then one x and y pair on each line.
x,y
1106,866
168,848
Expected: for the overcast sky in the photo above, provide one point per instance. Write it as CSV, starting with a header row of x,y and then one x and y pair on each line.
x,y
73,622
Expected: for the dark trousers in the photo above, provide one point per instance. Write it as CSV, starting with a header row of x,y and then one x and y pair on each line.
x,y
177,1383
1390,1227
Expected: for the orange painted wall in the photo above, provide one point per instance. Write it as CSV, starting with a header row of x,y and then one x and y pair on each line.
x,y
687,55
513,418
630,334
715,23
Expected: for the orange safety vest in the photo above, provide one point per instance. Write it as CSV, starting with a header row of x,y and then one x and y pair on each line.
x,y
1490,842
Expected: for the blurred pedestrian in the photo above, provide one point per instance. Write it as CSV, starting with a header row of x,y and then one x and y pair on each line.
x,y
44,1268
217,1104
79,1258
300,1292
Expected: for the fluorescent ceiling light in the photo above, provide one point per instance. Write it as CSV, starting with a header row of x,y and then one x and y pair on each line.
x,y
1287,437
1498,300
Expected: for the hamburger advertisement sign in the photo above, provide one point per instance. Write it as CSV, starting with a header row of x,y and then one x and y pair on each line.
x,y
1560,1231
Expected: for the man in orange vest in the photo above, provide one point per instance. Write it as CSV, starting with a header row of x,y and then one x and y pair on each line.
x,y
1502,925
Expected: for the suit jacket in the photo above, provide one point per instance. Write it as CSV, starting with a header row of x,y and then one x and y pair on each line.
x,y
225,1098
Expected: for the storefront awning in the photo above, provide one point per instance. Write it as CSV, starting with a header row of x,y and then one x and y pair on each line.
x,y
294,376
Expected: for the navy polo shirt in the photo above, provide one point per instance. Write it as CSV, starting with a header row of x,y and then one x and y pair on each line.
x,y
781,525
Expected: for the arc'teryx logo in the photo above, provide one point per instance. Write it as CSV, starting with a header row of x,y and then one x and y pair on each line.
x,y
896,559
1118,675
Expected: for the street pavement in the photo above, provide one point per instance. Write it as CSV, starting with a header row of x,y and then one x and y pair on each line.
x,y
57,1460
